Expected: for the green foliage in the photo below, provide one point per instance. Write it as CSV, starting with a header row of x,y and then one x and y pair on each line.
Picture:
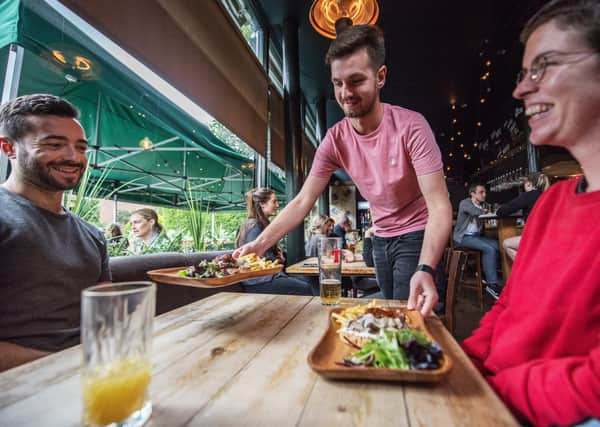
x,y
229,138
195,219
118,248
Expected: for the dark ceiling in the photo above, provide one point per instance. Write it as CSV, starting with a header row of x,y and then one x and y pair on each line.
x,y
436,50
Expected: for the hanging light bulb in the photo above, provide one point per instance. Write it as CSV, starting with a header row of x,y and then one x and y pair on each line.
x,y
328,17
146,143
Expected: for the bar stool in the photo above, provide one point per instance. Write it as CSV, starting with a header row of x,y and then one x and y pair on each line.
x,y
478,283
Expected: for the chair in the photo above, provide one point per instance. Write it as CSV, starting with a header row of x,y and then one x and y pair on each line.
x,y
446,259
477,284
458,260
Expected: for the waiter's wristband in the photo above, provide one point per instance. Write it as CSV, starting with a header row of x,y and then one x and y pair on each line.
x,y
426,268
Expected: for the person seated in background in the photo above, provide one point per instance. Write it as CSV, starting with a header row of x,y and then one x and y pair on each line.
x,y
48,254
534,185
467,234
539,346
343,226
261,203
114,234
320,226
146,228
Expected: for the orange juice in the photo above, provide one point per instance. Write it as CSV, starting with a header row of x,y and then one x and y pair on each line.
x,y
114,392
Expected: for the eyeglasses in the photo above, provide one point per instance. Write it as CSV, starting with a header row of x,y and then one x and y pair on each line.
x,y
539,64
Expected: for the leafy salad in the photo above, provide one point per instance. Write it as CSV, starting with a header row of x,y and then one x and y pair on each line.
x,y
404,348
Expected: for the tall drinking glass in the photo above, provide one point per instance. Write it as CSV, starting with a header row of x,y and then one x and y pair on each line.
x,y
116,338
330,270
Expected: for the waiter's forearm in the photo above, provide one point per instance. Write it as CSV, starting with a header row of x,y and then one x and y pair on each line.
x,y
437,233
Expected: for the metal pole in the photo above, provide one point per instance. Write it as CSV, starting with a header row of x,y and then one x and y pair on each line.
x,y
321,130
293,132
115,208
10,89
260,166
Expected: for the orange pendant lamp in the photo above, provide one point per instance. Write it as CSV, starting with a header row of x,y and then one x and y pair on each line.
x,y
327,15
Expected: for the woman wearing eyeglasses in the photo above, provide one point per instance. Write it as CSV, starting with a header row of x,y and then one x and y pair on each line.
x,y
539,346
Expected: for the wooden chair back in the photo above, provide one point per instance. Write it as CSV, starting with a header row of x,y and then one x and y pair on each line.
x,y
458,261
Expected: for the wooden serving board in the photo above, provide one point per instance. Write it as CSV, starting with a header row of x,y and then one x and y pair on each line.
x,y
330,349
169,275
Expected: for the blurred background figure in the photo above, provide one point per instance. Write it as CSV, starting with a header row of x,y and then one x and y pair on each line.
x,y
114,234
367,253
261,204
343,226
535,184
320,226
146,228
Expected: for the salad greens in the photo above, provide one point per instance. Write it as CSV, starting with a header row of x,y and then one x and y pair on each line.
x,y
398,349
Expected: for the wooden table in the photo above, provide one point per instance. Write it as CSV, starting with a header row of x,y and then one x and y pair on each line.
x,y
506,227
355,270
235,359
310,267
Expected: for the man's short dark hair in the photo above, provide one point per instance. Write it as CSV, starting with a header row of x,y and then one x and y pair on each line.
x,y
14,113
356,37
581,15
473,187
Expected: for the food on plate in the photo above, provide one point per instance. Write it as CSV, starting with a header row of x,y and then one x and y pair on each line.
x,y
253,262
371,324
221,266
397,349
353,312
226,265
385,338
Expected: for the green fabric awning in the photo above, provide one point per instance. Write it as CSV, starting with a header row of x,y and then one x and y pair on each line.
x,y
118,111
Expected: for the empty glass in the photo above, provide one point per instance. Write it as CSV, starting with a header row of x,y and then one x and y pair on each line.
x,y
116,338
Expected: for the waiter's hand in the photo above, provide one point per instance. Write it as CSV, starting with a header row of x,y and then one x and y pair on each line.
x,y
249,248
423,293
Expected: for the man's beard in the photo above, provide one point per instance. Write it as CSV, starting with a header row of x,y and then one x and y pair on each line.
x,y
39,175
365,110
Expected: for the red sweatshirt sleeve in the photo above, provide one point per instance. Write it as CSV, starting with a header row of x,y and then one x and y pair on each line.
x,y
477,346
560,391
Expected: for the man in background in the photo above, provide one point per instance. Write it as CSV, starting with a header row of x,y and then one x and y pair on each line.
x,y
342,227
48,254
468,234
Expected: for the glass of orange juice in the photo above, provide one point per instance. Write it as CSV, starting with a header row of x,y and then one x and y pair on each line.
x,y
116,338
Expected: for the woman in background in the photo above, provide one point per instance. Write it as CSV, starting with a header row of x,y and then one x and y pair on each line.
x,y
114,234
261,203
320,226
535,184
539,347
147,230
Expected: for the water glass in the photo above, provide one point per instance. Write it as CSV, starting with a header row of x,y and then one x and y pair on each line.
x,y
330,270
116,339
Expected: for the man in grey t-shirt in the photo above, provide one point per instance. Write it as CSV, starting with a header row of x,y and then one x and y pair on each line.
x,y
48,255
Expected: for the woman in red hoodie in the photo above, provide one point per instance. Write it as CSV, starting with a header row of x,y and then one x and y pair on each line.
x,y
539,346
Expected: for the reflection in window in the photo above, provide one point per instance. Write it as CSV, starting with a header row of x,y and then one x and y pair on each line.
x,y
247,23
275,67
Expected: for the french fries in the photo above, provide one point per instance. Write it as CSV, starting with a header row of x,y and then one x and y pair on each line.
x,y
254,263
353,312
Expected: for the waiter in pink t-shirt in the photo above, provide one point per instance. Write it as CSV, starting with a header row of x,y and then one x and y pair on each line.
x,y
391,155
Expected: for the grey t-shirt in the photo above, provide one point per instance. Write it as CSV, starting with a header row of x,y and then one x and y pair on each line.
x,y
46,260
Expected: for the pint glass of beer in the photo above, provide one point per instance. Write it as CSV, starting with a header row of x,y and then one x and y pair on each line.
x,y
330,270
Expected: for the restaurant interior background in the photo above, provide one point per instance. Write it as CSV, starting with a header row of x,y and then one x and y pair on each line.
x,y
252,92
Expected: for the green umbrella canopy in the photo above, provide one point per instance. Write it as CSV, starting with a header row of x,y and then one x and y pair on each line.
x,y
122,114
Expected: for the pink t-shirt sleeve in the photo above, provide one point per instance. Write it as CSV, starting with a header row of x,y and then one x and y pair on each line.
x,y
422,148
326,160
